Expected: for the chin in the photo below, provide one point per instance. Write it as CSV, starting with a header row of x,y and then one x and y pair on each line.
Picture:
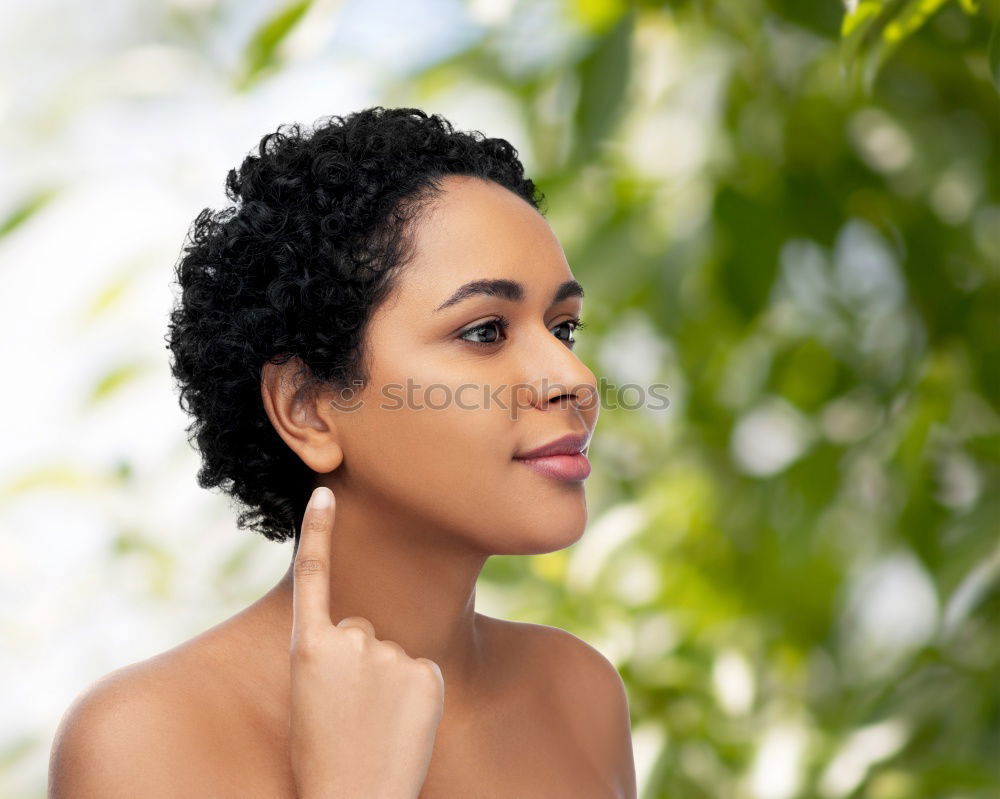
x,y
549,536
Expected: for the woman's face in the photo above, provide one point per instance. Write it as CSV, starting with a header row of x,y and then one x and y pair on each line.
x,y
435,432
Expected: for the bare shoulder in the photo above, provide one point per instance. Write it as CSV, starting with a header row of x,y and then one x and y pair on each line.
x,y
561,649
568,666
591,694
124,735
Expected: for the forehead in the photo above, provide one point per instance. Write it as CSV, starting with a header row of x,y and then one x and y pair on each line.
x,y
478,229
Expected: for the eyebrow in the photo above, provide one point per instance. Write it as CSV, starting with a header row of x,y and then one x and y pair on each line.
x,y
507,290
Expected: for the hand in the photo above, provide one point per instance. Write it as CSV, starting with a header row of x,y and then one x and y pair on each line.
x,y
364,714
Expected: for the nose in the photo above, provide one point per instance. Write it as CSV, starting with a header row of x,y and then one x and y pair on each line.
x,y
559,379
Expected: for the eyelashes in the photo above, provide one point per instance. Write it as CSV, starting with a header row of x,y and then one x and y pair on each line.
x,y
502,324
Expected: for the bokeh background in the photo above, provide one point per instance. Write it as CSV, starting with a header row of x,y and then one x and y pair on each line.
x,y
787,211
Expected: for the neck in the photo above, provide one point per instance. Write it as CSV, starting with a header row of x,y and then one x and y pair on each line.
x,y
416,585
414,589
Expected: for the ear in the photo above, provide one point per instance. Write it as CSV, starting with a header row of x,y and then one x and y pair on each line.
x,y
300,415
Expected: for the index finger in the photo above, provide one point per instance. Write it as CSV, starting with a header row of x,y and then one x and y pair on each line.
x,y
311,567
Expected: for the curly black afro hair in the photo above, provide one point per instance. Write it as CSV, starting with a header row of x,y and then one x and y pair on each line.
x,y
321,223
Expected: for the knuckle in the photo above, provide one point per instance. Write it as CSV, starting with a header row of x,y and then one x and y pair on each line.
x,y
355,635
314,522
307,566
429,671
306,647
393,649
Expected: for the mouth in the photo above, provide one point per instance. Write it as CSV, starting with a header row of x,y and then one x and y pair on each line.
x,y
570,444
563,459
572,468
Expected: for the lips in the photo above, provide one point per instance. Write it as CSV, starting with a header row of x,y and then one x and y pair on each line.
x,y
570,444
562,467
562,459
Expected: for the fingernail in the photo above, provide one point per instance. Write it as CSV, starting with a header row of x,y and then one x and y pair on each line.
x,y
321,498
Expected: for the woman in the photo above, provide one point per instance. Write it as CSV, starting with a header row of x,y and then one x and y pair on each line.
x,y
384,313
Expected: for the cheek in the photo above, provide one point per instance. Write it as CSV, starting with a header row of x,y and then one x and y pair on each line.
x,y
452,467
430,442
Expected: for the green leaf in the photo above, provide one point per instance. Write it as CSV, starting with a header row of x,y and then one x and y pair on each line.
x,y
114,380
859,37
603,76
597,15
994,54
865,10
871,33
914,14
108,296
261,54
26,209
54,476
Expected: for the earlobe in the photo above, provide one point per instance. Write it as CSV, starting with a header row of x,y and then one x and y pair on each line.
x,y
298,414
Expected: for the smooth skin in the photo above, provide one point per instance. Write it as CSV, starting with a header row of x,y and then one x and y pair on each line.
x,y
363,714
426,490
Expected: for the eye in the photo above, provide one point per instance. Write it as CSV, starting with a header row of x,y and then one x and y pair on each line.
x,y
501,323
575,324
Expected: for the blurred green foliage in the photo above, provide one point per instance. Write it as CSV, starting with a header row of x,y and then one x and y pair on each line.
x,y
873,29
804,553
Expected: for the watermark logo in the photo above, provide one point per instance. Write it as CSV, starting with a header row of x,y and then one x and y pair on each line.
x,y
514,398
